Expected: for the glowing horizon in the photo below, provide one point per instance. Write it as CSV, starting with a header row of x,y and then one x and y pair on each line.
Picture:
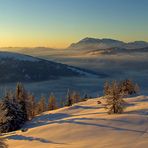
x,y
57,24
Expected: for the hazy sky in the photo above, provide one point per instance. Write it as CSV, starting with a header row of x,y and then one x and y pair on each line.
x,y
58,23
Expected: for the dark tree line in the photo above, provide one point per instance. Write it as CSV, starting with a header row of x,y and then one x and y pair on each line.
x,y
19,106
13,113
74,97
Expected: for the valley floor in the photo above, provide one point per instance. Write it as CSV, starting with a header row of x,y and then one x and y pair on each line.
x,y
86,125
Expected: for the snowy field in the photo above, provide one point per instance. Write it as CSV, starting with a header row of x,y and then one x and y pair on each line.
x,y
86,125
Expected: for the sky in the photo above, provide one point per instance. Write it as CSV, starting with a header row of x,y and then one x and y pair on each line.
x,y
58,23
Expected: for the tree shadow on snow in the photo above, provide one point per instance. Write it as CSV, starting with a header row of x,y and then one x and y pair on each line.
x,y
61,118
80,121
138,112
88,122
84,107
48,118
20,137
45,119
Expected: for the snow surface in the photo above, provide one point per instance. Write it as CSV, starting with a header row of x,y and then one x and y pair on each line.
x,y
17,56
86,125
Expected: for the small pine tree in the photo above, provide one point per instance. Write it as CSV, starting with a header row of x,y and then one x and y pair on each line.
x,y
21,97
41,105
69,101
75,97
127,87
52,102
84,98
30,106
115,102
62,104
7,94
37,108
106,88
78,97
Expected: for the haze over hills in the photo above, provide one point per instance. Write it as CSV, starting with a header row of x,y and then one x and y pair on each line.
x,y
85,46
113,62
117,62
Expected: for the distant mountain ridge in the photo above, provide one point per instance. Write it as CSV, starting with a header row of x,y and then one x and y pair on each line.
x,y
94,43
115,50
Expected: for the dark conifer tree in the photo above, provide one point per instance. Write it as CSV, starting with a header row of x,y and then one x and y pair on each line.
x,y
21,98
75,97
62,103
69,101
106,88
41,106
30,106
85,97
128,87
11,116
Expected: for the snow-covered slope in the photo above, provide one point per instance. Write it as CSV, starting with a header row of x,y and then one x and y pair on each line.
x,y
17,56
86,125
17,67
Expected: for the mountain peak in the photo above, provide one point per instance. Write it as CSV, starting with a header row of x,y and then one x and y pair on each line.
x,y
89,39
94,43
